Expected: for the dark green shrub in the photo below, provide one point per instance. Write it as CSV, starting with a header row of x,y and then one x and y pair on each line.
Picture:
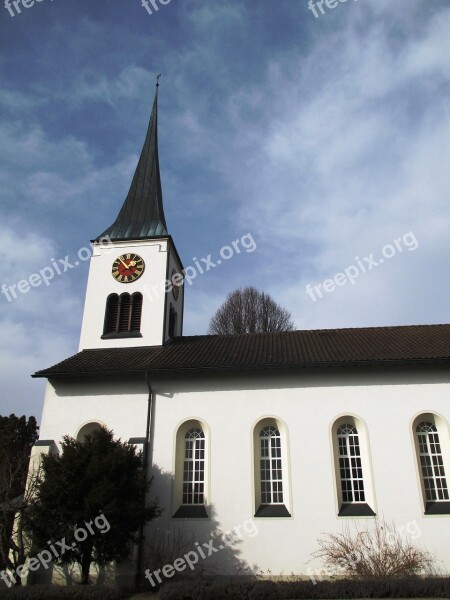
x,y
265,590
40,592
413,587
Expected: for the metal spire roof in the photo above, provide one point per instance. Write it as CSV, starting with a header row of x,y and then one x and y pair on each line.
x,y
142,214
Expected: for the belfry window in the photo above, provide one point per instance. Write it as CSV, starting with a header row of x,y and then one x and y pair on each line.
x,y
123,315
172,321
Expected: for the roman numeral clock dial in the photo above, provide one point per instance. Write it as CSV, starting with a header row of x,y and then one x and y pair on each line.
x,y
127,268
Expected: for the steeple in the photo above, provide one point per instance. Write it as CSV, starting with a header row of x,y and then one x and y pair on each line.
x,y
142,214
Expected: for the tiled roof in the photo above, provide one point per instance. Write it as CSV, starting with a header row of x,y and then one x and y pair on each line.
x,y
295,349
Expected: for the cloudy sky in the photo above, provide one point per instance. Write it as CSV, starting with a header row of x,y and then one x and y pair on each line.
x,y
326,138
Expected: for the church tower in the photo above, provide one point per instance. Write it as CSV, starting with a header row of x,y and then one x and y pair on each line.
x,y
134,293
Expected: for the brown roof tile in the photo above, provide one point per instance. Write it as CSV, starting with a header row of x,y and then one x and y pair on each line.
x,y
296,349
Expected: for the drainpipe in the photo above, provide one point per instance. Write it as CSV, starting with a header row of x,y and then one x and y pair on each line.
x,y
140,558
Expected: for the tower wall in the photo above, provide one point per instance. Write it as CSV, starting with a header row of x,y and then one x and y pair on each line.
x,y
159,256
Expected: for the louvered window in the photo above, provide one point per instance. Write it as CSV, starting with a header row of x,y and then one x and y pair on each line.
x,y
136,304
123,314
112,314
172,321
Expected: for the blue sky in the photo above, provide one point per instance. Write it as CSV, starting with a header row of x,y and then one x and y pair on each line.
x,y
324,138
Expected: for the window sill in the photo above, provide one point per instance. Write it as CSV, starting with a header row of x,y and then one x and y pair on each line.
x,y
437,508
272,510
125,334
356,510
191,512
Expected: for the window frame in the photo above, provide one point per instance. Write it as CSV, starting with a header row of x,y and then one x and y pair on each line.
x,y
181,510
135,301
88,428
433,506
278,509
194,465
360,508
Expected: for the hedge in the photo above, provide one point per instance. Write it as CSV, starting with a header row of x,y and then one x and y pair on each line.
x,y
41,592
300,590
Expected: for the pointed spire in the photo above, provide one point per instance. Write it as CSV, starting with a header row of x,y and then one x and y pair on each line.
x,y
142,214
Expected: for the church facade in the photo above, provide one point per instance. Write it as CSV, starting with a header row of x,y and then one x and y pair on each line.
x,y
277,437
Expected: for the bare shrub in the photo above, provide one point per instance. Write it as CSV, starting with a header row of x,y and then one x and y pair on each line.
x,y
250,311
382,551
166,546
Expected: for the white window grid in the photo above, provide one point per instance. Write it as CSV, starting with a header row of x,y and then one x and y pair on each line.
x,y
432,463
350,465
194,467
270,466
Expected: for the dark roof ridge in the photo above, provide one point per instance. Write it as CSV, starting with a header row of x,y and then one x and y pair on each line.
x,y
319,330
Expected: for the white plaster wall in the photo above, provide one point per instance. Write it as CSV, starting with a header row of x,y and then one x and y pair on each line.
x,y
150,284
68,405
308,405
177,304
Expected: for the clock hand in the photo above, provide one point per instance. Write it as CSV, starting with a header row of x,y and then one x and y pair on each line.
x,y
124,263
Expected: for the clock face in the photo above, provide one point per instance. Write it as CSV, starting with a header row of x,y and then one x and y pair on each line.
x,y
175,286
128,268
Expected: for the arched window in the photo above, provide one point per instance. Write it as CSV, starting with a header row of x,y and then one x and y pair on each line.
x,y
353,480
432,467
87,429
123,315
270,465
194,467
111,314
350,467
270,471
190,471
136,312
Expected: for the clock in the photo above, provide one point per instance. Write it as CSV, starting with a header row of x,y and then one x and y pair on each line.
x,y
175,286
127,268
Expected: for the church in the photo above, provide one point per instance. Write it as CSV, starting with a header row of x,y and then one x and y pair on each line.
x,y
277,437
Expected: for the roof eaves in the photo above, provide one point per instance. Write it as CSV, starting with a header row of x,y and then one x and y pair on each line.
x,y
257,367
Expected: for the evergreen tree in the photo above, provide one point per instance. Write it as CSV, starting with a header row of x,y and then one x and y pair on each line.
x,y
98,486
17,437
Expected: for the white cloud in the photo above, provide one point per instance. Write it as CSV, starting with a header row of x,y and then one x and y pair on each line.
x,y
340,147
352,153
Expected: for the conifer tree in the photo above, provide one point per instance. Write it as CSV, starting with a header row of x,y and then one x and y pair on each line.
x,y
99,481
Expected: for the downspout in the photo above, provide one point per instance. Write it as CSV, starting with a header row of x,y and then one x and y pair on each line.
x,y
141,541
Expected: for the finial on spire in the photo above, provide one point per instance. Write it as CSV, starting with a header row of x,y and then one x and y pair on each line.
x,y
157,79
